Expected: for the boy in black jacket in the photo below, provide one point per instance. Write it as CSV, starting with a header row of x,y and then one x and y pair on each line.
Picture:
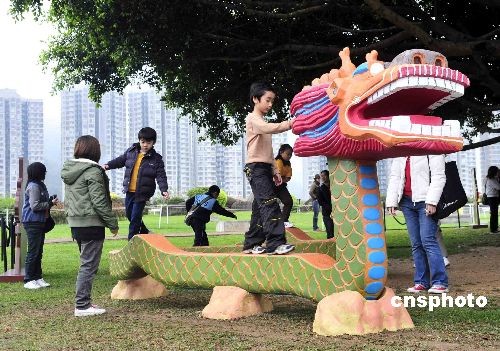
x,y
143,165
201,216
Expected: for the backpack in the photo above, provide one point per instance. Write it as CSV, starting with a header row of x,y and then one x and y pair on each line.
x,y
453,196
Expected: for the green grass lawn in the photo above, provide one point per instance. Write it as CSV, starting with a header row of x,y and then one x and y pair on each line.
x,y
176,225
42,319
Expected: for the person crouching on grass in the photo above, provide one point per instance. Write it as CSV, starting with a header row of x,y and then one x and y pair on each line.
x,y
207,203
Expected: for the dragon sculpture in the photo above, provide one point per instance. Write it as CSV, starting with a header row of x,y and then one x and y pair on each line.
x,y
355,116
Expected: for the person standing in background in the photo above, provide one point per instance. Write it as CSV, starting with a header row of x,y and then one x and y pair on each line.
x,y
492,190
313,193
36,209
325,201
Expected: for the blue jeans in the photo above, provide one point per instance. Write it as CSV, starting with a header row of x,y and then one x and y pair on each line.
x,y
36,237
134,211
315,206
427,256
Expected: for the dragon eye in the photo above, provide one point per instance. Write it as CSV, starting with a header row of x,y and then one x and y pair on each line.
x,y
376,68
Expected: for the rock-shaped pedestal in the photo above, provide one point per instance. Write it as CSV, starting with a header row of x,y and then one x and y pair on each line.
x,y
138,289
348,312
231,302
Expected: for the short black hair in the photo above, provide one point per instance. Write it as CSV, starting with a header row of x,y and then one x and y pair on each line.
x,y
492,172
325,171
148,134
258,89
36,171
213,189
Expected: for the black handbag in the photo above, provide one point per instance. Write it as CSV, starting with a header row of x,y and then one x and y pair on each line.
x,y
484,197
49,224
453,196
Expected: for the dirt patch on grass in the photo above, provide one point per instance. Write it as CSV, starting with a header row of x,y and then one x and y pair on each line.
x,y
476,272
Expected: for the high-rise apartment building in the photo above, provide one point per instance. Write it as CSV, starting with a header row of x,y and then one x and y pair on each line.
x,y
81,116
21,135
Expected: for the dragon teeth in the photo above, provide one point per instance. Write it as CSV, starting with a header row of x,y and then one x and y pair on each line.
x,y
454,89
403,124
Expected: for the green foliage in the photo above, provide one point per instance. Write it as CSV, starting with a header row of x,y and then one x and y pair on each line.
x,y
7,203
203,55
159,200
222,199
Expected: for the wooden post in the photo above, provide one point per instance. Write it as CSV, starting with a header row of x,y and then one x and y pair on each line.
x,y
17,274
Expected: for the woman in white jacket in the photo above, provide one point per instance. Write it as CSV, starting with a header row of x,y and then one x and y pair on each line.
x,y
415,186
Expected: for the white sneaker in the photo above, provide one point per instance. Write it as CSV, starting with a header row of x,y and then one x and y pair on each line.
x,y
32,284
282,249
42,283
289,225
446,262
256,250
91,311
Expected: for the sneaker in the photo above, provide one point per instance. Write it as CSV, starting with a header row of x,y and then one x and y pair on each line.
x,y
42,283
416,289
438,289
32,284
289,225
318,230
446,262
281,250
91,311
256,250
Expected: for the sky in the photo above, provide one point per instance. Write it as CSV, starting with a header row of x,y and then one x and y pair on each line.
x,y
21,44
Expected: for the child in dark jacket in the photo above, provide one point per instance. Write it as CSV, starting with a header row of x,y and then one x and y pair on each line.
x,y
143,165
201,216
37,204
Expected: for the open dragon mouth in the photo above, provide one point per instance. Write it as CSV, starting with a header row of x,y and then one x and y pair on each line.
x,y
398,105
379,115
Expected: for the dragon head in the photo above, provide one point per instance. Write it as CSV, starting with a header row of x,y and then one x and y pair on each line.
x,y
379,110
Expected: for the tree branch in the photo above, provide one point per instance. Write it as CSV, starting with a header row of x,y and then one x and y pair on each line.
x,y
246,8
285,47
397,38
485,77
482,143
358,31
448,48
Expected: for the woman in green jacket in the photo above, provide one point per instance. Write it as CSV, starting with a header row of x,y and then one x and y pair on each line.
x,y
87,203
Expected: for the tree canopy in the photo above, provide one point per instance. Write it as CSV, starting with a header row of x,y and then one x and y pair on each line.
x,y
202,55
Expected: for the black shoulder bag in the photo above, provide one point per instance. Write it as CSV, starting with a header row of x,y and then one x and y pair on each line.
x,y
453,196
